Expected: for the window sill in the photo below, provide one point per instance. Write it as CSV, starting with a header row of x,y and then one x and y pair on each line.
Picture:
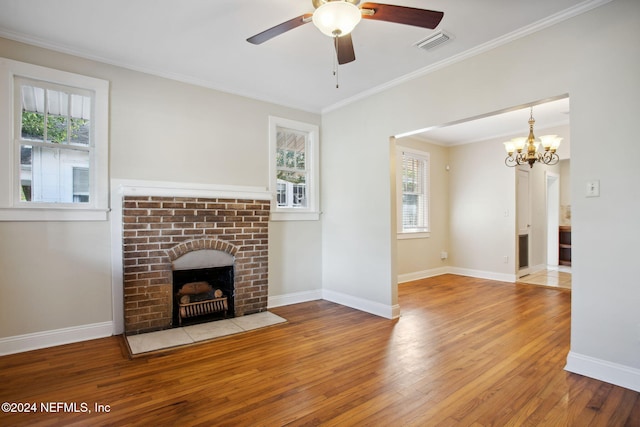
x,y
52,214
414,235
295,216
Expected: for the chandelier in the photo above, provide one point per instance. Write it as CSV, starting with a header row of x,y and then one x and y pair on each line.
x,y
523,150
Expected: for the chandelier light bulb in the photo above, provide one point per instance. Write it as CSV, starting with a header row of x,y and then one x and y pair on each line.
x,y
337,18
519,143
509,147
548,140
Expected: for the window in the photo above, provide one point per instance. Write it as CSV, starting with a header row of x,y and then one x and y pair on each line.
x,y
282,194
54,141
413,193
54,152
294,169
299,195
80,185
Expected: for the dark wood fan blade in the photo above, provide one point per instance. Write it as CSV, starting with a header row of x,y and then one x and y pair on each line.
x,y
403,15
344,49
280,28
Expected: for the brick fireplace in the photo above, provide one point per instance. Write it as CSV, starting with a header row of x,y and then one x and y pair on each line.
x,y
157,231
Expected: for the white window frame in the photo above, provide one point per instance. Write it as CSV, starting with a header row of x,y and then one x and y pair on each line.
x,y
11,207
311,212
423,156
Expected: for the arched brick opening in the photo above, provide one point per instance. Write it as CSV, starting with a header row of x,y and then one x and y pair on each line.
x,y
201,244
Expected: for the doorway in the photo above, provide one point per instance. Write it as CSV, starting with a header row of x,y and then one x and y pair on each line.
x,y
523,221
553,218
477,228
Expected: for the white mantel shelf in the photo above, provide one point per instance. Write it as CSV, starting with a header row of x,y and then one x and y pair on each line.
x,y
122,187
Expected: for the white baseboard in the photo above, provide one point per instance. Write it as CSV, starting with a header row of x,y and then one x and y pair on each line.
x,y
294,298
480,274
337,297
613,373
424,274
37,340
382,310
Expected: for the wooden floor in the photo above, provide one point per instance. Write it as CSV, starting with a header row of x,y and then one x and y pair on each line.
x,y
466,352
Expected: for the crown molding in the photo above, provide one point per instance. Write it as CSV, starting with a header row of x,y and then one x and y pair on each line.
x,y
485,47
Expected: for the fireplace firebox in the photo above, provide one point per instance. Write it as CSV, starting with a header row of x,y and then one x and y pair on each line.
x,y
206,286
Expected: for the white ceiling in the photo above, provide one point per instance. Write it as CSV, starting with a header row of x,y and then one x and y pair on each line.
x,y
204,41
551,116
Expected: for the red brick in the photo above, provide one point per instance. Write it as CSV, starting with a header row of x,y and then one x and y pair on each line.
x,y
172,205
149,205
174,226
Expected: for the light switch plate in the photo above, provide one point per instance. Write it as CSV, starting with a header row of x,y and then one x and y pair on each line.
x,y
593,188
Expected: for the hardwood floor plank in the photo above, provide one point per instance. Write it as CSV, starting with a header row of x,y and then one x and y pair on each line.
x,y
465,351
634,415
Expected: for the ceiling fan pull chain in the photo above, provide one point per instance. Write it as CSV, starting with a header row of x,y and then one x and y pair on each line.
x,y
335,60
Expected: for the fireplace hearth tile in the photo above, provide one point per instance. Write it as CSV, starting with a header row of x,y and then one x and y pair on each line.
x,y
210,330
144,343
258,320
160,340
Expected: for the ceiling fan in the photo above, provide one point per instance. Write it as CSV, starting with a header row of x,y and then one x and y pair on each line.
x,y
337,18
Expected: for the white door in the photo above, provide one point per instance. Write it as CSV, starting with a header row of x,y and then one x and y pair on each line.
x,y
523,213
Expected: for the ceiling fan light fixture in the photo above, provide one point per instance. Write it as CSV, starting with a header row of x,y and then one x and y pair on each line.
x,y
337,18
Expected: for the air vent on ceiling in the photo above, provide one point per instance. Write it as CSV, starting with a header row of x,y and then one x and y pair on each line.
x,y
433,40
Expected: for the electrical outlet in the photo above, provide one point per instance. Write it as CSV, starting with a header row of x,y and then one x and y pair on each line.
x,y
506,259
444,255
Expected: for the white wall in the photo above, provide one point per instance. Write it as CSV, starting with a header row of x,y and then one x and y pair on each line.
x,y
295,268
54,275
357,249
483,215
605,232
56,278
594,58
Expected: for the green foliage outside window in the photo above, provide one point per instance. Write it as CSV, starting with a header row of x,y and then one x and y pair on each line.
x,y
291,160
57,131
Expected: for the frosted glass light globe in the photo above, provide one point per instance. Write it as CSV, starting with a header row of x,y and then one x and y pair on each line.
x,y
337,18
